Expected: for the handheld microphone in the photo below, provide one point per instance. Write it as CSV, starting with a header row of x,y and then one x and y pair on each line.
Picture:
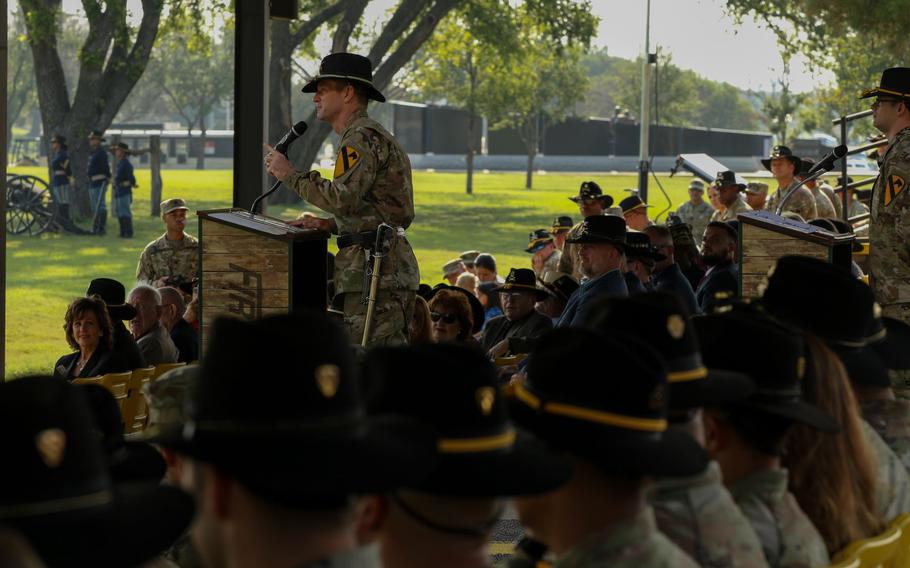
x,y
827,162
281,147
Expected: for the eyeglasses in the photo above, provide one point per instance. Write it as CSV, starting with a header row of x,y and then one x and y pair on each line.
x,y
446,318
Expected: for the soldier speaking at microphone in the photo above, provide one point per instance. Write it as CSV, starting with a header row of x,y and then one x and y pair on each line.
x,y
371,186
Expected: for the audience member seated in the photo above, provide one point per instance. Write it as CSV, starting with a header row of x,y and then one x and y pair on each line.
x,y
601,249
485,269
452,270
421,325
452,320
667,275
90,333
641,258
489,299
545,254
520,326
154,342
114,295
635,212
559,288
718,251
182,333
467,258
685,251
467,281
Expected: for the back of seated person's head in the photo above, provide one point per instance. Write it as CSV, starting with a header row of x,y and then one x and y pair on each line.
x,y
172,297
420,323
488,296
467,281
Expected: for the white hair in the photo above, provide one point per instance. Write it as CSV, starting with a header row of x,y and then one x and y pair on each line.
x,y
145,289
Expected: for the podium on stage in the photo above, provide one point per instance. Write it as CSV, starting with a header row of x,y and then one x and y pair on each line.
x,y
253,265
764,237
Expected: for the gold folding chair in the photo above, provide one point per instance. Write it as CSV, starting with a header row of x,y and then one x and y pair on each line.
x,y
88,381
135,413
873,552
163,368
119,385
901,557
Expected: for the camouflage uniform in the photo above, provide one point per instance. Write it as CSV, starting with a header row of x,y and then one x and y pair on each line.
x,y
552,263
696,216
889,231
833,197
698,514
788,537
730,213
163,257
891,420
823,205
630,543
372,185
893,488
802,203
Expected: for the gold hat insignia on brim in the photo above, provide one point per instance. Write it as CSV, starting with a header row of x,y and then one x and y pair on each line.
x,y
676,326
486,397
800,368
51,444
327,379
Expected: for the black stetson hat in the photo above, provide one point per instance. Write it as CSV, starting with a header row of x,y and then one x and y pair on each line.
x,y
781,151
606,229
631,203
97,134
895,82
660,319
349,67
561,224
559,285
537,240
291,426
777,376
726,179
59,139
638,245
478,313
590,190
615,418
480,452
521,280
121,146
56,490
114,295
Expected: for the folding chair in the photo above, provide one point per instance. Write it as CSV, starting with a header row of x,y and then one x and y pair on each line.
x,y
163,368
872,552
119,385
135,413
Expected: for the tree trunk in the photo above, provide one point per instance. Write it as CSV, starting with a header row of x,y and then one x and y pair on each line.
x,y
200,152
155,173
189,142
530,173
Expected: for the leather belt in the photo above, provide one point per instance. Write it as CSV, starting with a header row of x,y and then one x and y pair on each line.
x,y
365,239
99,177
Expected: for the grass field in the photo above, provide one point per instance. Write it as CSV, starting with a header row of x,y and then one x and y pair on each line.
x,y
45,273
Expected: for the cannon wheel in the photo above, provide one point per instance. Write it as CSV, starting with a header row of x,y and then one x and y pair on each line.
x,y
29,205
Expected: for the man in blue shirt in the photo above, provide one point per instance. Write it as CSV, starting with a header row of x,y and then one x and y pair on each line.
x,y
124,182
60,176
99,175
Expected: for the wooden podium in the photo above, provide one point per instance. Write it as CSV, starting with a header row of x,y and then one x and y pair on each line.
x,y
764,237
253,265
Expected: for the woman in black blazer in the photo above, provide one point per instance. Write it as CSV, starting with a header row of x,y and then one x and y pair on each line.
x,y
90,333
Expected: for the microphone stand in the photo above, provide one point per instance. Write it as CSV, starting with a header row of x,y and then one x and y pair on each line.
x,y
271,190
790,193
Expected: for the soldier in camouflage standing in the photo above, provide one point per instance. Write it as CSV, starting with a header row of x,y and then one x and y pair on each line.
x,y
696,212
170,260
371,186
889,229
784,166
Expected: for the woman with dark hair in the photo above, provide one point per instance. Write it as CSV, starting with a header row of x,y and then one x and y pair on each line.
x,y
489,300
451,315
833,476
90,333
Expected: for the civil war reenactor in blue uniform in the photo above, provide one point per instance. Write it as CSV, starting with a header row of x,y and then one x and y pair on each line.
x,y
124,182
60,176
99,175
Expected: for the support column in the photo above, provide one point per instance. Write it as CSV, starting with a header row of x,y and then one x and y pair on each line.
x,y
251,83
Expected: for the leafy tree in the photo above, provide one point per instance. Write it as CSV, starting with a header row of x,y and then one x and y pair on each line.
x,y
21,96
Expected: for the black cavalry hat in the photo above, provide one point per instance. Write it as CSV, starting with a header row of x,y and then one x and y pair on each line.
x,y
895,82
607,229
638,245
114,295
660,320
59,139
631,203
537,240
480,452
121,146
96,134
56,489
561,224
615,418
781,151
477,310
521,279
777,376
726,179
590,190
292,427
347,66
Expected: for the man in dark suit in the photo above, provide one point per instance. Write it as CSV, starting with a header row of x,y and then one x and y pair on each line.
x,y
718,251
520,325
601,252
667,274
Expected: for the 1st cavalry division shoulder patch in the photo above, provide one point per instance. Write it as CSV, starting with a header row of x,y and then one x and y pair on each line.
x,y
895,186
347,159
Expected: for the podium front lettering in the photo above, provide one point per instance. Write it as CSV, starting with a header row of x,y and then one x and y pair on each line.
x,y
248,296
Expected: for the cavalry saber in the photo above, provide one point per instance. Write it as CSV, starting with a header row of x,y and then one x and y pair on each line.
x,y
383,243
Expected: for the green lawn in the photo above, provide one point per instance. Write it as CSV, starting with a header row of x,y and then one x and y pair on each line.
x,y
45,273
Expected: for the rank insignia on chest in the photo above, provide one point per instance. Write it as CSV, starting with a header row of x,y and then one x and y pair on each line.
x,y
347,159
894,186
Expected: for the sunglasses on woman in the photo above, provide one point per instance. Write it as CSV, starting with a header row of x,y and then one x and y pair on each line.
x,y
446,318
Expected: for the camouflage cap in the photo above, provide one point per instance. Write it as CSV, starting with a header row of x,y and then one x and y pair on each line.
x,y
173,204
167,396
454,266
468,257
756,188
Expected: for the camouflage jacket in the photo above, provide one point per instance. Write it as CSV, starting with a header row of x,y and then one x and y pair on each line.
x,y
551,264
730,213
801,203
632,543
787,536
698,514
889,228
892,496
163,257
891,420
823,205
696,216
834,198
372,185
